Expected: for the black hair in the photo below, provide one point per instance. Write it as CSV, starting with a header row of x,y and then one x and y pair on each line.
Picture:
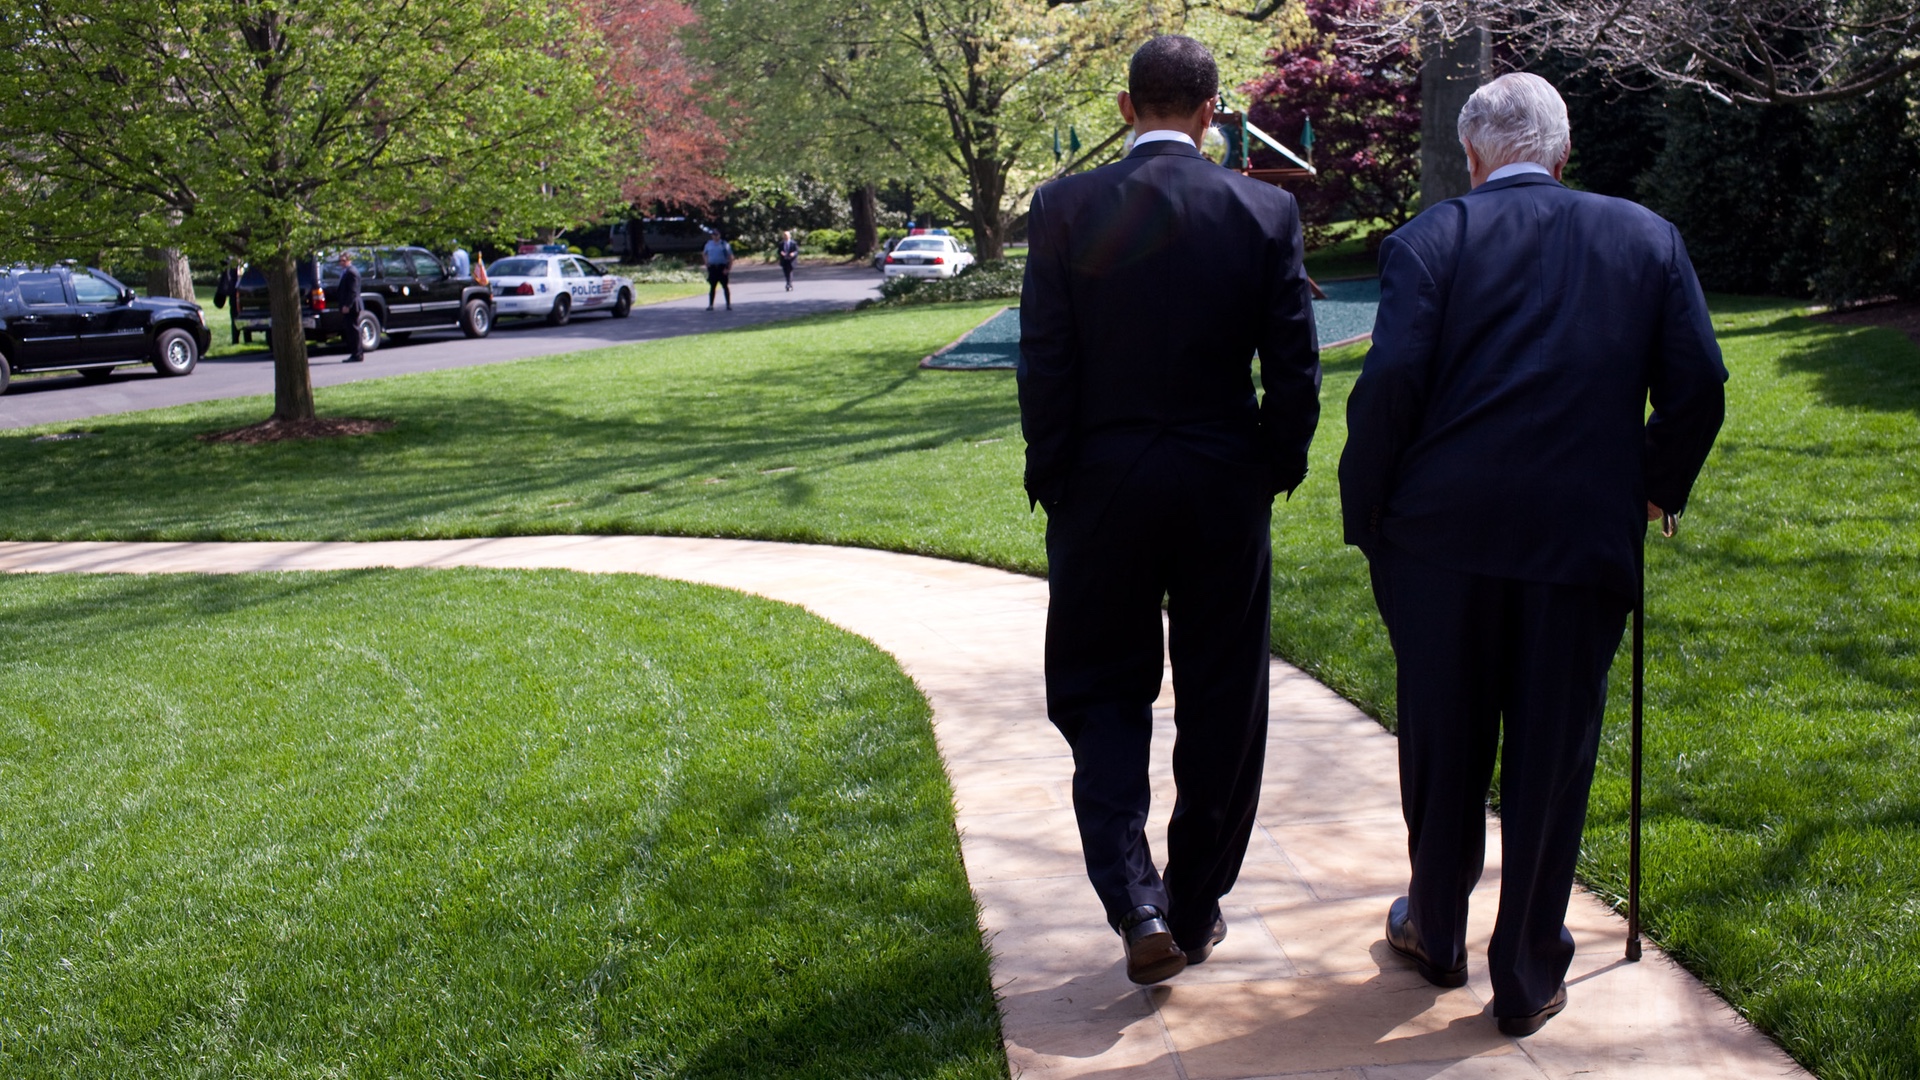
x,y
1172,75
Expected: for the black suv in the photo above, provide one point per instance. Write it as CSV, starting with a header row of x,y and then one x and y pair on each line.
x,y
65,318
402,289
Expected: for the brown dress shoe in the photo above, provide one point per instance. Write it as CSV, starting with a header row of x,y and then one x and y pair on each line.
x,y
1522,1026
1402,939
1151,954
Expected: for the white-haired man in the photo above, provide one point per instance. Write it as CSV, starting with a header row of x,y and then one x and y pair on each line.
x,y
1498,462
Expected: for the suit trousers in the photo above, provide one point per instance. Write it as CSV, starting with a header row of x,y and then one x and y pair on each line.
x,y
1488,665
1183,525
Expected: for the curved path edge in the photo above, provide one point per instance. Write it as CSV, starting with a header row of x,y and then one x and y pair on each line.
x,y
1303,986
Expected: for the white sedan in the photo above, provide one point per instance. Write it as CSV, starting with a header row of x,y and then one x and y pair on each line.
x,y
927,256
556,287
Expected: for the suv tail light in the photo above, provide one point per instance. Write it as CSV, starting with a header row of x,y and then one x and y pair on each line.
x,y
319,299
525,288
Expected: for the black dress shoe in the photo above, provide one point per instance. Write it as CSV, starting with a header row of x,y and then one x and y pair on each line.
x,y
1402,939
1151,954
1215,935
1522,1026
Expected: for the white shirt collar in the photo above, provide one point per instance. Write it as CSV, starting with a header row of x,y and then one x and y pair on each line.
x,y
1163,135
1516,169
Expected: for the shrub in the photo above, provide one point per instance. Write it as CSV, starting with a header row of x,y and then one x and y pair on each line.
x,y
981,281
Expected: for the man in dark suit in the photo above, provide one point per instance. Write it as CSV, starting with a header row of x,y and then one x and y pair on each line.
x,y
1150,284
351,304
1498,461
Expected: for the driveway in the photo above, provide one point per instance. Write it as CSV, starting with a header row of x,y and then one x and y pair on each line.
x,y
758,297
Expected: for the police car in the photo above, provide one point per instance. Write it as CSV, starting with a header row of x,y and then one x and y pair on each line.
x,y
556,286
927,254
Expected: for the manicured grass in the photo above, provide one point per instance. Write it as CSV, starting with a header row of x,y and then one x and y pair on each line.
x,y
1783,794
470,824
1347,256
821,430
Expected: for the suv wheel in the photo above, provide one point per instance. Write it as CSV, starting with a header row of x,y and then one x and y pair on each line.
x,y
6,373
623,305
476,318
368,327
562,311
175,353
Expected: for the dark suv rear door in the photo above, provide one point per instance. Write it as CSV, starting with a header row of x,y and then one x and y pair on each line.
x,y
400,287
49,328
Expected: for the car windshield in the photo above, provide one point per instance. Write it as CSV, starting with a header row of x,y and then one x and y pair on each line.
x,y
922,245
518,268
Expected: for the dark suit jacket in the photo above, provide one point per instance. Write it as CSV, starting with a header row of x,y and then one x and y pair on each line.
x,y
1499,424
1150,284
350,288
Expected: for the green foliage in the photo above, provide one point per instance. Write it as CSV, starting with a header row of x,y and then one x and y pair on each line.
x,y
425,824
255,127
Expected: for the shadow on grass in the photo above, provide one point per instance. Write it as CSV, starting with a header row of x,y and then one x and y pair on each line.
x,y
1854,367
495,450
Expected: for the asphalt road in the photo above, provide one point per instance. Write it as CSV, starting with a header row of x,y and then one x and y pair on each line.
x,y
758,296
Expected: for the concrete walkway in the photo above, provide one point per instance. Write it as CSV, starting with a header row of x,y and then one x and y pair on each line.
x,y
1303,986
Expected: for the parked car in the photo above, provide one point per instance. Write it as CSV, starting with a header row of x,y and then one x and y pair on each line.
x,y
643,238
927,256
403,290
556,287
75,318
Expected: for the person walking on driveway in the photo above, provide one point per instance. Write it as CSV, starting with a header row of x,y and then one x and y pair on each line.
x,y
351,304
788,251
1150,284
1498,463
719,256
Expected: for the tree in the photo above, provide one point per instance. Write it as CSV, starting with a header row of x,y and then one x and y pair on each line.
x,y
959,98
1365,110
270,129
669,148
1755,52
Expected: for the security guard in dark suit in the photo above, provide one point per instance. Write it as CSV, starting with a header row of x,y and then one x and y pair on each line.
x,y
1150,285
351,304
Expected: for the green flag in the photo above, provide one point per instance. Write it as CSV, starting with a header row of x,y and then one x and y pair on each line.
x,y
1073,140
1056,142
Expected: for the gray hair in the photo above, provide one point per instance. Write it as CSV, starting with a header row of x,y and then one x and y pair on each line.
x,y
1516,117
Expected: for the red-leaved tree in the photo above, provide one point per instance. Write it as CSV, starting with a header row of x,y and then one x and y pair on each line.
x,y
659,94
1365,108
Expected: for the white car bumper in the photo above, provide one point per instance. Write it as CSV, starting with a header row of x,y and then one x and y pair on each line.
x,y
537,304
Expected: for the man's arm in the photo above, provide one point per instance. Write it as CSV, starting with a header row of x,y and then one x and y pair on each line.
x,y
1046,375
1686,383
1383,413
1289,364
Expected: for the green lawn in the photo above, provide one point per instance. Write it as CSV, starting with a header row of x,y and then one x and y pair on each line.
x,y
470,824
1783,798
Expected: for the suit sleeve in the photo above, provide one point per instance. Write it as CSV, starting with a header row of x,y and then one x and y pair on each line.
x,y
1686,386
1384,410
1289,362
1047,373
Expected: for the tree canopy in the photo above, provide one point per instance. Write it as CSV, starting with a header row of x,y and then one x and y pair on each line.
x,y
268,130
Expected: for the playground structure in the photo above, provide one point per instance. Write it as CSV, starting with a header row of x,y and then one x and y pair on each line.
x,y
1237,154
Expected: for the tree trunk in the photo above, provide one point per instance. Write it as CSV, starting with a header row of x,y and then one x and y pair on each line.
x,y
1451,70
168,274
866,214
292,386
987,185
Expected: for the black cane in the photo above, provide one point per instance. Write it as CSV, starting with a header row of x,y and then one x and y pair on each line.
x,y
1669,524
1633,813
